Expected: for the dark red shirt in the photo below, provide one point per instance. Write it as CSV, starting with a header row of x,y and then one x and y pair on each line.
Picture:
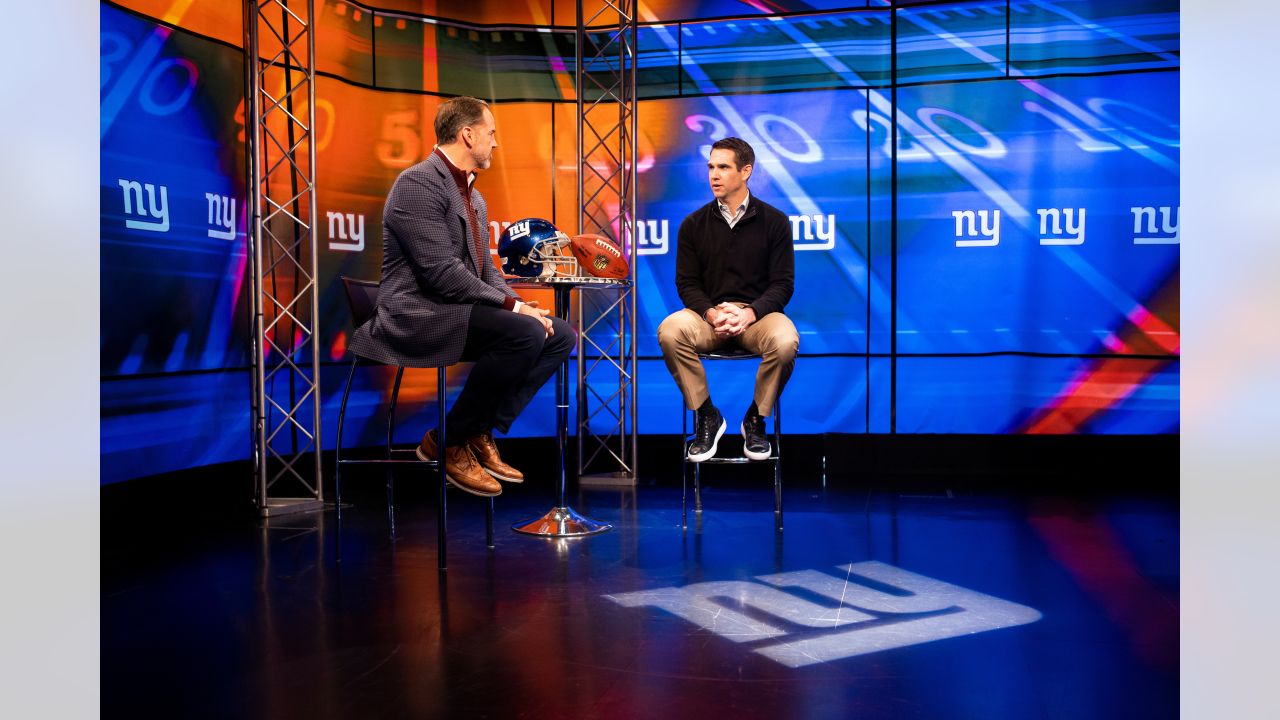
x,y
464,181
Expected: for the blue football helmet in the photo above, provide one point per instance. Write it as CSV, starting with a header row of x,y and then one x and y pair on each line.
x,y
534,248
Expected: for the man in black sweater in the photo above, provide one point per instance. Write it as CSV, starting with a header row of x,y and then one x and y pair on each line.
x,y
735,270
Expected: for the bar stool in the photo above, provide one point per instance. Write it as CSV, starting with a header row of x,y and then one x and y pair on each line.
x,y
775,455
362,298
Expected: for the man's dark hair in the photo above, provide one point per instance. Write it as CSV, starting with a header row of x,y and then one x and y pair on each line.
x,y
455,114
742,152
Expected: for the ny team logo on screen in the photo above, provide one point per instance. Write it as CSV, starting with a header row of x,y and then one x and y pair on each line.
x,y
222,216
153,216
146,207
868,607
346,231
1066,226
808,232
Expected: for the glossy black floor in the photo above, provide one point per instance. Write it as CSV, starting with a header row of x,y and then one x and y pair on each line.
x,y
963,600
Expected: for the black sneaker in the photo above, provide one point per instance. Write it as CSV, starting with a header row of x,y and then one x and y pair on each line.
x,y
708,426
754,443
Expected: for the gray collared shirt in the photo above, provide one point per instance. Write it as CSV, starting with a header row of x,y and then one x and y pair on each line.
x,y
733,217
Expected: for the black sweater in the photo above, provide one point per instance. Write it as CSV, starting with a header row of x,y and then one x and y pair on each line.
x,y
753,262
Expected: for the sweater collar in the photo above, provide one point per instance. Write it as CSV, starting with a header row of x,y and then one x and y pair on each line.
x,y
746,199
464,180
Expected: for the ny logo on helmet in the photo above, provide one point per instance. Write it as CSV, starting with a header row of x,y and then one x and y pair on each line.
x,y
518,229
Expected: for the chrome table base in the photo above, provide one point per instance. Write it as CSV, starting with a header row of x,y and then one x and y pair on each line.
x,y
561,522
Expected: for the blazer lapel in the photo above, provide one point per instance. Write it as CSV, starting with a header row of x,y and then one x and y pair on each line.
x,y
482,214
456,206
466,224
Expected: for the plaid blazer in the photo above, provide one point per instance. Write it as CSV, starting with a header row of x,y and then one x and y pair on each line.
x,y
429,281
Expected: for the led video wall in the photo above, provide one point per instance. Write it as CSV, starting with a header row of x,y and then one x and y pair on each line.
x,y
1009,265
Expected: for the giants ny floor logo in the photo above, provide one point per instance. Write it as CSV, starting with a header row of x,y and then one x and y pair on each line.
x,y
876,607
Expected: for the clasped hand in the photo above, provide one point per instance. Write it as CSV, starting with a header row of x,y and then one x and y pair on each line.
x,y
531,309
729,320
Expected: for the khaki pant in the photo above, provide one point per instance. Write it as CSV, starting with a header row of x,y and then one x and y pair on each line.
x,y
683,335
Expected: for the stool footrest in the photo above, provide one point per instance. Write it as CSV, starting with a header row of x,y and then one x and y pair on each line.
x,y
431,463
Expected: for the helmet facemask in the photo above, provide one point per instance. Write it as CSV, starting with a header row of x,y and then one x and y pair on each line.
x,y
555,257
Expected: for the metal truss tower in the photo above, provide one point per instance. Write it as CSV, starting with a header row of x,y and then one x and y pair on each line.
x,y
280,109
605,84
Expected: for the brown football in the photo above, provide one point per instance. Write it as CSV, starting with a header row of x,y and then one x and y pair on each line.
x,y
599,256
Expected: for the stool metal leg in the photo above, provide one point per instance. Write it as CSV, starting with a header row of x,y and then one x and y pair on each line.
x,y
337,459
697,476
337,450
684,498
684,467
488,525
697,489
441,513
391,412
777,464
391,427
697,468
391,502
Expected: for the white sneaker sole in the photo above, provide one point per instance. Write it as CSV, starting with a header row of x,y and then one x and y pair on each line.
x,y
710,453
768,450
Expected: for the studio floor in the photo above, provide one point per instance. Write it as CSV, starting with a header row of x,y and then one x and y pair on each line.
x,y
877,600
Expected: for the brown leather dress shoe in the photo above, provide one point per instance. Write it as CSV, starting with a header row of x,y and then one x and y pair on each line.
x,y
460,467
486,452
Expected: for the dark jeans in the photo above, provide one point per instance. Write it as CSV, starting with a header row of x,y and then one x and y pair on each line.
x,y
513,357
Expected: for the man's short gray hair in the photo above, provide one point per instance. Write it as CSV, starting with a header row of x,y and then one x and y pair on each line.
x,y
455,114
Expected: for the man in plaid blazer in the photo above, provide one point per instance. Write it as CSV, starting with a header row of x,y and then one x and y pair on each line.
x,y
443,300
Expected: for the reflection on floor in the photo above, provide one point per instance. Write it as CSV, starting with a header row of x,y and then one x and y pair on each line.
x,y
872,603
